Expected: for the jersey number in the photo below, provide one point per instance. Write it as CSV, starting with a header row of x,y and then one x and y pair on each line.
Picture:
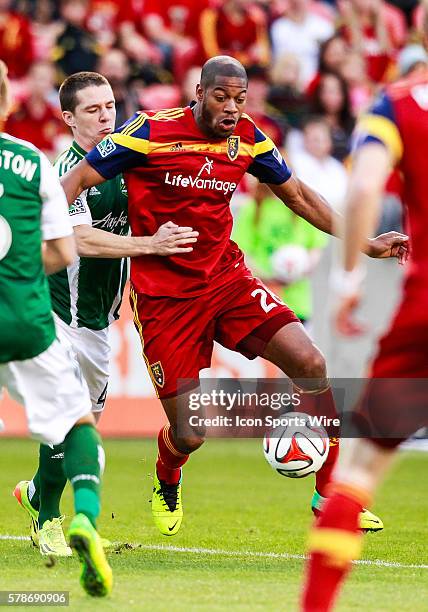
x,y
263,293
5,237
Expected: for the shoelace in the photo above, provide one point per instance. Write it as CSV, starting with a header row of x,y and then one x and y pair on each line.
x,y
55,534
169,494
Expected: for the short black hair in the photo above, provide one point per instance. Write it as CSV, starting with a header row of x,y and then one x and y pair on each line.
x,y
73,84
222,65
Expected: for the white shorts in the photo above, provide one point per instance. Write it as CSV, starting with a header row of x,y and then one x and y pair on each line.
x,y
91,353
51,389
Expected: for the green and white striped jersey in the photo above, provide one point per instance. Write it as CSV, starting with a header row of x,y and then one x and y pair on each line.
x,y
33,208
89,292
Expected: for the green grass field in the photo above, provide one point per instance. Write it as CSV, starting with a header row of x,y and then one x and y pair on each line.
x,y
234,505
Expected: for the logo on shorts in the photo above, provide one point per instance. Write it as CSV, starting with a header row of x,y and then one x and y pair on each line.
x,y
106,146
157,373
233,147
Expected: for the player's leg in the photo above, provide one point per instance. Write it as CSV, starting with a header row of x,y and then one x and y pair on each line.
x,y
336,538
58,409
176,339
91,351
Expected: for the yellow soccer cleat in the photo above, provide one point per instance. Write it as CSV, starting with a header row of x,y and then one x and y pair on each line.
x,y
52,540
97,576
167,509
369,522
21,494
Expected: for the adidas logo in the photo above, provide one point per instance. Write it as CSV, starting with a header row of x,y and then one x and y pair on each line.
x,y
94,191
177,147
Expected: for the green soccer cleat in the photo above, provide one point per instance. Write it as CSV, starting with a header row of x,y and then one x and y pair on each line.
x,y
96,577
369,522
21,494
167,510
52,540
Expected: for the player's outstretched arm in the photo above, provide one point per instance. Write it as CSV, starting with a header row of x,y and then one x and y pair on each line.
x,y
170,239
309,205
77,179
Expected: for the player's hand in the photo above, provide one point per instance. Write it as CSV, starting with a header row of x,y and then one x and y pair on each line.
x,y
172,239
344,320
391,244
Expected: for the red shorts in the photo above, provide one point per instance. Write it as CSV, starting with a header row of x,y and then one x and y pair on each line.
x,y
397,394
177,334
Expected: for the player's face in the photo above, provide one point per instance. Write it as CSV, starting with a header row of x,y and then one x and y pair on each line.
x,y
222,105
94,115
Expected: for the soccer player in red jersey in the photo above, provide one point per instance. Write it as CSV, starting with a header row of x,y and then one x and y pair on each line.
x,y
184,164
393,133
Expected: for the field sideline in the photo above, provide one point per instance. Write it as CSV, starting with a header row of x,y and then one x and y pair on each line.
x,y
242,540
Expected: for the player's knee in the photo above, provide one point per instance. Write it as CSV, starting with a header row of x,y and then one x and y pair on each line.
x,y
312,365
190,442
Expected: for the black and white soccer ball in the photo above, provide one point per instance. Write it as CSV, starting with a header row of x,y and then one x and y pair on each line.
x,y
296,448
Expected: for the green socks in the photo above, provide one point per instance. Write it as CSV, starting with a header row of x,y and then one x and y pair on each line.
x,y
84,464
48,483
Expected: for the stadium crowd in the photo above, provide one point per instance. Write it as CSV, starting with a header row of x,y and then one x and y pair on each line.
x,y
313,66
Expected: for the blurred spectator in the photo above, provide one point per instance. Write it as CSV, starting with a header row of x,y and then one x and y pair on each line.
x,y
236,28
361,88
256,107
332,54
114,65
188,89
331,101
16,41
315,164
300,31
376,30
45,28
36,119
76,48
173,25
157,96
281,248
285,93
411,59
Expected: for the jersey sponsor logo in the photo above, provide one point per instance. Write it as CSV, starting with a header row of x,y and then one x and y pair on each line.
x,y
106,146
94,191
110,222
199,181
178,146
157,373
233,147
24,168
77,208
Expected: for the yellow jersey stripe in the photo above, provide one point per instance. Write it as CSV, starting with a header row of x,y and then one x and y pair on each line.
x,y
130,142
170,113
340,546
263,147
135,124
140,333
383,129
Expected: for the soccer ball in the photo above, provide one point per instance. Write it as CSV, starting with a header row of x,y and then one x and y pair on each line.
x,y
290,263
296,448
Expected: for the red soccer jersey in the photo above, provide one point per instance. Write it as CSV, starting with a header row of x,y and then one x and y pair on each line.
x,y
399,120
174,173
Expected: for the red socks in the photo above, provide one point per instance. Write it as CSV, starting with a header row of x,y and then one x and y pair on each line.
x,y
170,459
323,476
333,543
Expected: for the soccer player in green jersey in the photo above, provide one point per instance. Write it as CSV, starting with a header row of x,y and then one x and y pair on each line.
x,y
35,240
86,297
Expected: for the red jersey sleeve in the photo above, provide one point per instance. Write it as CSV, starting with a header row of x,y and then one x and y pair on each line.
x,y
126,148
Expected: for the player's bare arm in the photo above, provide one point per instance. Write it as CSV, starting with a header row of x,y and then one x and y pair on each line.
x,y
58,253
309,205
77,179
170,239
